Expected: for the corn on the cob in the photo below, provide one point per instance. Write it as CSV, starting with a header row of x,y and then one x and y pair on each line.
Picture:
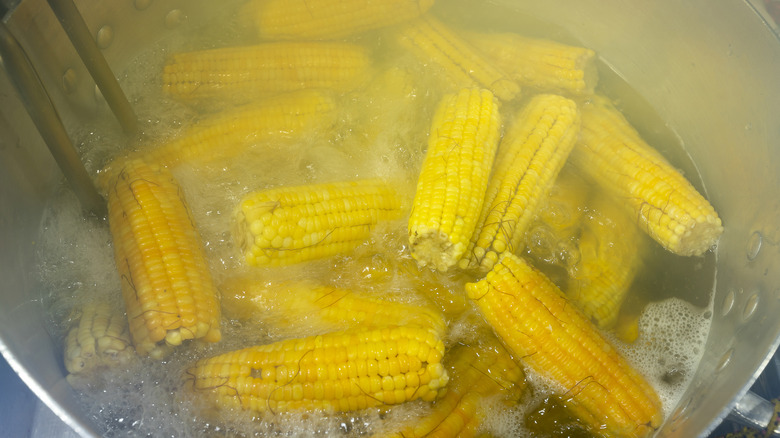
x,y
100,340
537,324
288,225
249,71
539,63
329,19
660,199
339,371
322,306
450,190
610,249
168,292
530,157
463,65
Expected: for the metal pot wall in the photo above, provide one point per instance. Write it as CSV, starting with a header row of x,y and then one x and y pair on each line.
x,y
711,69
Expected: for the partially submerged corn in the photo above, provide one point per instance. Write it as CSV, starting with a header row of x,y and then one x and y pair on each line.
x,y
167,287
339,371
463,139
554,339
530,156
328,19
660,199
100,340
286,225
249,71
539,63
462,64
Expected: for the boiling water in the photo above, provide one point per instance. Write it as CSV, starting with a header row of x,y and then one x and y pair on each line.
x,y
148,398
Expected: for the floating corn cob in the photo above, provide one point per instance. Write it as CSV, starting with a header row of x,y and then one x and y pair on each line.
x,y
530,157
288,225
554,339
322,306
540,63
433,42
610,249
450,190
660,199
329,19
339,371
100,340
167,288
249,71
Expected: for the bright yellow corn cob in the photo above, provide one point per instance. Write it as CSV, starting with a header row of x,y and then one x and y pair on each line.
x,y
450,190
321,306
554,339
659,197
288,225
100,340
250,71
433,42
539,63
329,19
168,292
339,371
610,249
530,156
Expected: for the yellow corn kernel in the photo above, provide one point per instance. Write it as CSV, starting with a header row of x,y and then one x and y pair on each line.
x,y
554,339
324,307
450,190
286,225
463,65
610,249
328,19
660,199
99,340
530,156
539,63
250,71
257,378
168,292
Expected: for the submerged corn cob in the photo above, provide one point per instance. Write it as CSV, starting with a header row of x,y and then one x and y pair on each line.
x,y
322,306
432,41
537,324
660,199
530,157
610,249
329,19
168,292
100,340
250,71
339,371
293,224
540,63
450,190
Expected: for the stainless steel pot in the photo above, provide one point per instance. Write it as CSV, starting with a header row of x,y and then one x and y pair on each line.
x,y
711,69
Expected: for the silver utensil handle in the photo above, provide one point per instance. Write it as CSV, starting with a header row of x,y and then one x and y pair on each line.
x,y
756,412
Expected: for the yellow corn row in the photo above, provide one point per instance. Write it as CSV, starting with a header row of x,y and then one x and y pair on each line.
x,y
463,139
610,249
250,71
322,306
477,373
554,339
328,19
539,63
168,292
288,225
464,66
660,199
530,156
339,371
100,340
